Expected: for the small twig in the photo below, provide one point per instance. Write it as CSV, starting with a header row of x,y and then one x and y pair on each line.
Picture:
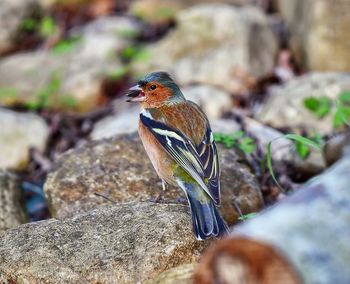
x,y
105,197
237,208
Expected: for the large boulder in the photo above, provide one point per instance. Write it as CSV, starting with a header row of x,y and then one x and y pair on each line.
x,y
12,210
285,107
127,243
120,169
215,44
12,14
69,77
160,11
317,33
20,132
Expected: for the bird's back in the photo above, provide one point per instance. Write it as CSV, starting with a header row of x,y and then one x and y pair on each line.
x,y
185,117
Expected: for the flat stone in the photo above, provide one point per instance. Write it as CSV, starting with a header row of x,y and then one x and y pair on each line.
x,y
20,132
74,77
126,243
285,107
120,169
317,31
228,51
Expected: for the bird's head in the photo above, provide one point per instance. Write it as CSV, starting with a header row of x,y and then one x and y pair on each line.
x,y
155,90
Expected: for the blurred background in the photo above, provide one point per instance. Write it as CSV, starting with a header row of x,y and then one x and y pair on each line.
x,y
258,68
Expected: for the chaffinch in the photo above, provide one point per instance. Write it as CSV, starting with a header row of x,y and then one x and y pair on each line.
x,y
179,142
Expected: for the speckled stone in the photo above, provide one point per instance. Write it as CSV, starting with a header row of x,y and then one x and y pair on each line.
x,y
126,243
120,169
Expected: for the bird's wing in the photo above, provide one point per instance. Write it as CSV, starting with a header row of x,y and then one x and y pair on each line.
x,y
208,156
200,162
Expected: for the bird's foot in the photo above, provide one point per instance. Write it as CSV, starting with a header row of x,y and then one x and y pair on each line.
x,y
158,199
181,200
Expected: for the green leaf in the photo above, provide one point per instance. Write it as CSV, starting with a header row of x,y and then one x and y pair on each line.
x,y
294,137
320,106
118,73
8,93
43,97
247,216
66,46
164,13
247,145
29,25
47,27
68,101
344,97
128,33
302,150
239,138
129,52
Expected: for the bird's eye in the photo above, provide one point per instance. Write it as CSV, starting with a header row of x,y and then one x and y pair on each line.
x,y
153,87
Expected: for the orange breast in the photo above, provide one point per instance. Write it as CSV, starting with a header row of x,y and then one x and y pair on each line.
x,y
161,161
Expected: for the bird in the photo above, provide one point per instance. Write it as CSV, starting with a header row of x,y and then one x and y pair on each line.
x,y
177,138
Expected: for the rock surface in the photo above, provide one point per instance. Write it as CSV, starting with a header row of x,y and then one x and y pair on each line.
x,y
12,212
179,275
20,132
285,107
317,33
12,13
127,243
227,51
160,11
124,120
213,101
119,168
71,79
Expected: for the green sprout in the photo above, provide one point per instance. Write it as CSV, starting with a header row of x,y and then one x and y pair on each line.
x,y
308,142
43,96
239,139
47,27
119,73
66,45
29,25
322,106
245,217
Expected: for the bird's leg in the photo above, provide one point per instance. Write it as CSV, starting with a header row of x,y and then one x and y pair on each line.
x,y
160,196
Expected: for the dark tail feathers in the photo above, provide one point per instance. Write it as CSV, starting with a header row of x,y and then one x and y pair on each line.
x,y
207,221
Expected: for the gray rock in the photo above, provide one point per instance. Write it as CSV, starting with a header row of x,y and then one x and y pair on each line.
x,y
220,45
12,210
79,73
160,11
12,13
302,227
124,120
317,33
285,107
119,168
127,243
178,275
335,147
213,101
20,132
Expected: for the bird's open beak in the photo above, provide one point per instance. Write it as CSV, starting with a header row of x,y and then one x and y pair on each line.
x,y
135,94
